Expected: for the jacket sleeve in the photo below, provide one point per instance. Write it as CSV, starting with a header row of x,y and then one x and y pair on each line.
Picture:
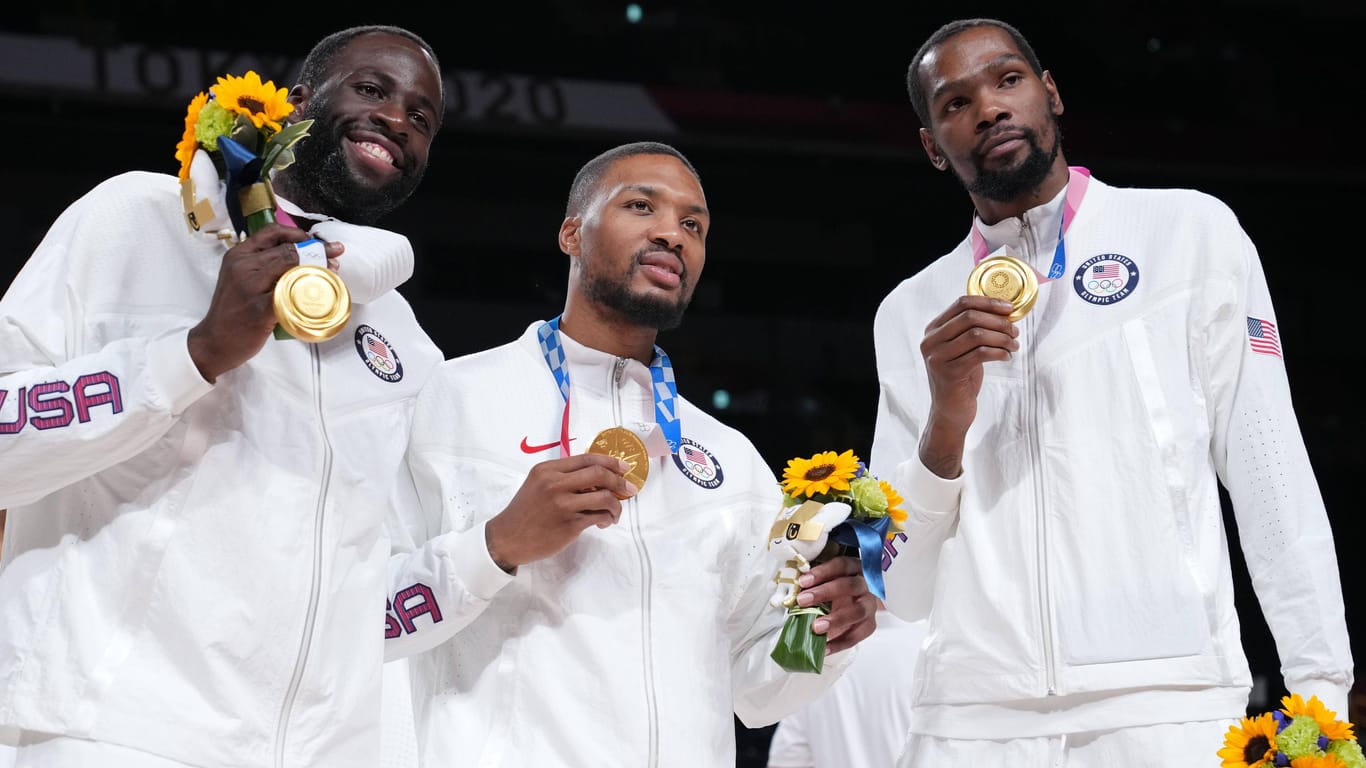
x,y
441,576
764,692
931,501
67,409
1259,453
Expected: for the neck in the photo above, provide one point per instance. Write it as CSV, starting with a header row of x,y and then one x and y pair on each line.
x,y
993,211
590,326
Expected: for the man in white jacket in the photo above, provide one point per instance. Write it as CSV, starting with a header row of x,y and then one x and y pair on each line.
x,y
1060,425
194,556
581,609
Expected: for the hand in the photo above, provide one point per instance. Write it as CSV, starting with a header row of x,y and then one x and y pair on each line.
x,y
241,315
853,611
559,499
972,331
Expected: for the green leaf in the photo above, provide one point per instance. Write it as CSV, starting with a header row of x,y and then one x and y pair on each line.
x,y
278,154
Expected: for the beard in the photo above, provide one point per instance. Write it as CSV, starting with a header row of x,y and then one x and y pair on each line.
x,y
648,311
1010,183
320,170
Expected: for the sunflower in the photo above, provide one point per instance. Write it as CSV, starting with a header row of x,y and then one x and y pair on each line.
x,y
1251,743
184,151
894,509
1295,706
821,473
262,103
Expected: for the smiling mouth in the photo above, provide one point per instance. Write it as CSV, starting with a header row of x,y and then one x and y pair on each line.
x,y
375,150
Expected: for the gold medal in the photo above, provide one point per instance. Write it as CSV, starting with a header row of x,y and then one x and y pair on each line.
x,y
312,303
625,445
1006,277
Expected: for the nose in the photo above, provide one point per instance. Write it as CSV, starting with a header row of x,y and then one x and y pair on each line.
x,y
393,117
668,234
990,111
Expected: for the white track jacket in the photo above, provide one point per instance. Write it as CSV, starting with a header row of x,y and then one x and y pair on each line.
x,y
633,646
195,570
1076,575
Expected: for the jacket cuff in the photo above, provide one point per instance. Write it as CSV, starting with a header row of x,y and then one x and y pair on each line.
x,y
928,493
470,560
173,378
1334,697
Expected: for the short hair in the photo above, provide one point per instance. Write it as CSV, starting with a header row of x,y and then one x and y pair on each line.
x,y
590,175
318,63
916,89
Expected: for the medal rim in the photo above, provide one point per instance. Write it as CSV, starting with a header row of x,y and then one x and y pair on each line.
x,y
640,470
295,323
1029,289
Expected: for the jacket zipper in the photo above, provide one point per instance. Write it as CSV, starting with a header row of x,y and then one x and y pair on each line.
x,y
1036,461
647,648
310,618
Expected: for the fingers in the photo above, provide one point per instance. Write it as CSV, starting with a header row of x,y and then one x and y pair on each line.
x,y
848,624
973,329
834,579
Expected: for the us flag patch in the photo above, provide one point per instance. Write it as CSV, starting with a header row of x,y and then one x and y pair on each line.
x,y
698,464
378,354
1261,334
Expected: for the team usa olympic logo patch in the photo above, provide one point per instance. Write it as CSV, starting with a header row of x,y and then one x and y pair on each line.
x,y
698,465
378,354
1106,279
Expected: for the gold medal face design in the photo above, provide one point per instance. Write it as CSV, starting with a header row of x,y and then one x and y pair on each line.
x,y
625,445
312,303
1008,278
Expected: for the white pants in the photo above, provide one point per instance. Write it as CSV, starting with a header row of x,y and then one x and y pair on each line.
x,y
1151,746
43,751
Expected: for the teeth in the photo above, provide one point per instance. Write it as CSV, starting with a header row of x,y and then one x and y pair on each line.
x,y
376,150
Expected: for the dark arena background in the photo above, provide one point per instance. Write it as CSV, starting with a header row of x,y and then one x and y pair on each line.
x,y
796,116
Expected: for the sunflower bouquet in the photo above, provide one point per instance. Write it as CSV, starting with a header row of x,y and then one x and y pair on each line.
x,y
831,506
1298,735
234,139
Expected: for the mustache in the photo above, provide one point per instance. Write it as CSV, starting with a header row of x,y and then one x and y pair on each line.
x,y
1030,135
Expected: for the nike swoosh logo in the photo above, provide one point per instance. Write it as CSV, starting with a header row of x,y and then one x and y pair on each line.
x,y
526,448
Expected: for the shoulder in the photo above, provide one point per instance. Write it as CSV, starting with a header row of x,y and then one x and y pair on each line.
x,y
1167,201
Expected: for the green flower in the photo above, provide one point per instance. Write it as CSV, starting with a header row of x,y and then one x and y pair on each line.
x,y
214,121
1300,738
868,498
1349,752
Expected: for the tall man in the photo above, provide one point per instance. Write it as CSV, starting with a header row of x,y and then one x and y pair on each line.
x,y
607,605
195,553
1062,462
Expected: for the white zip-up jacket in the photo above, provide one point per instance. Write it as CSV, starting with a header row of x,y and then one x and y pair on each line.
x,y
195,570
1076,575
633,646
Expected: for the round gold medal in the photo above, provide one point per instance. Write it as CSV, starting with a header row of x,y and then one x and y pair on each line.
x,y
312,303
1006,277
625,445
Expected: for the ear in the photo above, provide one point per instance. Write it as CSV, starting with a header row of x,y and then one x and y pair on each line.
x,y
298,96
932,150
570,236
1054,99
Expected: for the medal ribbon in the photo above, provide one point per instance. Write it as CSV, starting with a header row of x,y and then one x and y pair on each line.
x,y
1077,180
664,388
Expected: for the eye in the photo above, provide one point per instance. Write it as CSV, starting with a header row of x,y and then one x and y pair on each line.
x,y
420,119
955,104
693,224
369,90
639,205
1012,79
